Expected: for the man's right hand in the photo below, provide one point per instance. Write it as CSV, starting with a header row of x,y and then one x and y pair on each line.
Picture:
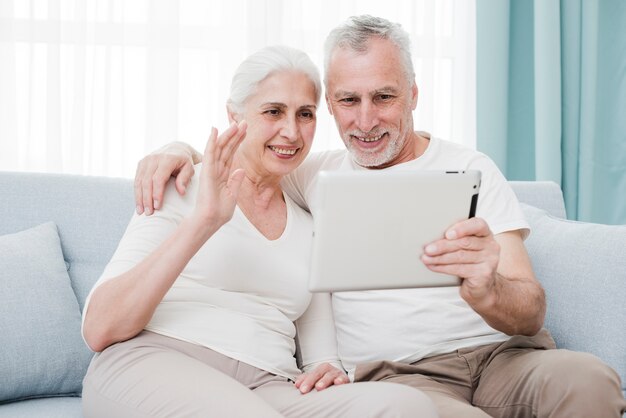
x,y
153,172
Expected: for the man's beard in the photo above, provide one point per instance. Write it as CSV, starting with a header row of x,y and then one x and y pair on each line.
x,y
374,158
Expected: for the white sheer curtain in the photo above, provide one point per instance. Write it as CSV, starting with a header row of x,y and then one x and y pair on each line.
x,y
90,86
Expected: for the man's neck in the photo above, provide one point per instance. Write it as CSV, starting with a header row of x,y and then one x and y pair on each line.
x,y
421,141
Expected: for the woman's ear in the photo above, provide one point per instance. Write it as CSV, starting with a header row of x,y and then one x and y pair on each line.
x,y
232,116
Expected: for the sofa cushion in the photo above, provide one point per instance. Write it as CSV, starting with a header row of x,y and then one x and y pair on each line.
x,y
91,214
582,267
57,407
42,353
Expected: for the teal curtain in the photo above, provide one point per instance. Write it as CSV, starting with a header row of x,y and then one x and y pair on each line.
x,y
551,98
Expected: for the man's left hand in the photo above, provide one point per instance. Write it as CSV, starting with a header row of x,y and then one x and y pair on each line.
x,y
470,251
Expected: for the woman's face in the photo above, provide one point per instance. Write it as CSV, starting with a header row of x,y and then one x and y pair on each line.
x,y
281,123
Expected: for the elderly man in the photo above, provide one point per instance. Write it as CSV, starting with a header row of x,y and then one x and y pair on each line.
x,y
477,350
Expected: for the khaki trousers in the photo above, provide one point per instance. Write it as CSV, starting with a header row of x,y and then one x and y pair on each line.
x,y
155,376
522,377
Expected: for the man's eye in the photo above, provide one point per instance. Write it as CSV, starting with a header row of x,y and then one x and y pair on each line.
x,y
307,115
272,112
385,97
348,100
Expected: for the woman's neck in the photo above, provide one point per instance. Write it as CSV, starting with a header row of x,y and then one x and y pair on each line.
x,y
257,187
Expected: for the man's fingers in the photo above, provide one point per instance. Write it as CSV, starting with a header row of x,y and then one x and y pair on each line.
x,y
143,184
454,257
183,178
460,270
167,167
471,234
159,181
445,246
468,250
138,188
473,226
146,190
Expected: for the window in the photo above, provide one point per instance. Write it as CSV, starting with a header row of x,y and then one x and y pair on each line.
x,y
90,86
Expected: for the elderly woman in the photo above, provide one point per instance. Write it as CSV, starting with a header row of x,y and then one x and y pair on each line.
x,y
194,315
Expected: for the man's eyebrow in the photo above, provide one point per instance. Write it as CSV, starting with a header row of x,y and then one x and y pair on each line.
x,y
343,93
385,90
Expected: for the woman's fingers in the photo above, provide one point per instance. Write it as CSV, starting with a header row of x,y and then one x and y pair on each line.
x,y
320,378
229,142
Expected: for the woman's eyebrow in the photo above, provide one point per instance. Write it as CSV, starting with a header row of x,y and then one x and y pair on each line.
x,y
275,104
284,106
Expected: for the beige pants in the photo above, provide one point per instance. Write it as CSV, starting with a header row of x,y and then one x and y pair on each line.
x,y
155,376
522,377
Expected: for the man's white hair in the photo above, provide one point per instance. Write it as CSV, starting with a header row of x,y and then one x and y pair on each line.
x,y
356,32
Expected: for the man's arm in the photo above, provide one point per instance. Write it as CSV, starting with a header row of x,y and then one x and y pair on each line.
x,y
153,172
498,280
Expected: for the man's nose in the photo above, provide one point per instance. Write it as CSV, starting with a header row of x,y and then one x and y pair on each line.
x,y
367,118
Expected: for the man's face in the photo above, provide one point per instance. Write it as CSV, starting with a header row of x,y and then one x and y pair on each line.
x,y
372,101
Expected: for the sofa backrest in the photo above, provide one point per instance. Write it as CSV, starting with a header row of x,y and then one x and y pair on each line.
x,y
546,195
91,214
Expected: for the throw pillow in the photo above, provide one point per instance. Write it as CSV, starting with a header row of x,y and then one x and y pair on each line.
x,y
582,267
42,352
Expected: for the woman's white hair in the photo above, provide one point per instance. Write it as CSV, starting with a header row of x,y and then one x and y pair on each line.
x,y
265,62
356,32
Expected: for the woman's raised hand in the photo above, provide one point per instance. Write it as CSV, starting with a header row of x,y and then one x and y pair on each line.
x,y
218,188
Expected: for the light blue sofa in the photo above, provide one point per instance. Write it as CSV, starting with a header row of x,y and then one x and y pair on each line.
x,y
582,267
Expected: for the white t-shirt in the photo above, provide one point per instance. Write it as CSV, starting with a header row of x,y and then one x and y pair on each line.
x,y
241,293
406,325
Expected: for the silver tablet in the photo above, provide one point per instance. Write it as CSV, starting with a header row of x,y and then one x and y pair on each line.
x,y
371,226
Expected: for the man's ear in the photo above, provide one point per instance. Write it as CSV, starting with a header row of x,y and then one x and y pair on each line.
x,y
414,94
330,108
